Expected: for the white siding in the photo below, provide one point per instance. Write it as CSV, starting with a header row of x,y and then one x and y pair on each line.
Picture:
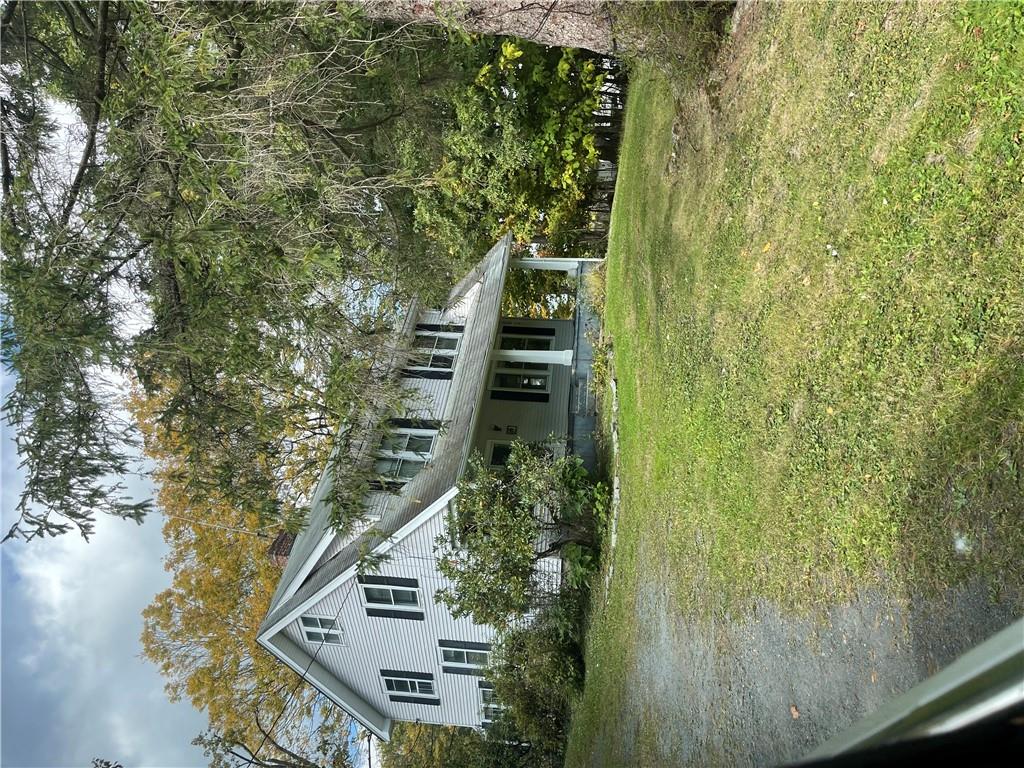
x,y
374,643
534,421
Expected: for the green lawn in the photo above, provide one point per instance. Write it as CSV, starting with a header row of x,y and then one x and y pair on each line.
x,y
816,300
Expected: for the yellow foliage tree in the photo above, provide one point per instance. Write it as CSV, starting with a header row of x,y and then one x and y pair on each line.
x,y
201,631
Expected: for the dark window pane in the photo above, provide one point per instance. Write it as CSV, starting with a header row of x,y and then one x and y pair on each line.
x,y
442,361
499,454
419,444
377,595
409,468
476,657
404,597
447,342
386,467
392,443
309,621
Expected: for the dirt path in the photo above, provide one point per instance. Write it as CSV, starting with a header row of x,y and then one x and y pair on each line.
x,y
768,687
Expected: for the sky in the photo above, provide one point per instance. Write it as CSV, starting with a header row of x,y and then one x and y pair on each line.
x,y
74,685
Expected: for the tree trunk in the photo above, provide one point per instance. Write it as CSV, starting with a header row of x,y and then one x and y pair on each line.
x,y
569,23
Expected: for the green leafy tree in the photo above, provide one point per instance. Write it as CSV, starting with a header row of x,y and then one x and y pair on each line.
x,y
521,152
233,232
504,523
421,745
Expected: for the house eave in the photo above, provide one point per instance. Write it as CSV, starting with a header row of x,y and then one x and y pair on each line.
x,y
310,670
273,625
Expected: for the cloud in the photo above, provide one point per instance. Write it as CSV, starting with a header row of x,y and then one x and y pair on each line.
x,y
74,684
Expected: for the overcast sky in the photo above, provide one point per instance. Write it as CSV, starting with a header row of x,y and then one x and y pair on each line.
x,y
74,684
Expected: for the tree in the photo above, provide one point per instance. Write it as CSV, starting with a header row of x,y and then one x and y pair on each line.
x,y
256,193
504,523
520,153
421,745
59,333
559,23
201,631
230,234
226,752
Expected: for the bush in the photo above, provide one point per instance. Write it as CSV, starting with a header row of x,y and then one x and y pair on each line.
x,y
537,671
505,521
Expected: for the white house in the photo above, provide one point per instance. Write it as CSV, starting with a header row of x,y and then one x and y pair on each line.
x,y
379,646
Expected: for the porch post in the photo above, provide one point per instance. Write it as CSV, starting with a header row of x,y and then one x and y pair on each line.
x,y
543,356
571,266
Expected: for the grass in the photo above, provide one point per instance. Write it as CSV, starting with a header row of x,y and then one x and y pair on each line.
x,y
816,294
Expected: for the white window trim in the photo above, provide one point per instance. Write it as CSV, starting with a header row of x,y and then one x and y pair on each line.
x,y
484,704
397,479
448,353
438,335
423,459
431,695
432,352
463,664
392,605
337,630
383,453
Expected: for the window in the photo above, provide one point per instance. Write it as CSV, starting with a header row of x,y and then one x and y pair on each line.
x,y
507,379
461,657
520,380
396,596
403,453
391,597
404,685
419,443
525,342
398,469
498,452
470,658
489,706
410,687
430,342
318,629
433,355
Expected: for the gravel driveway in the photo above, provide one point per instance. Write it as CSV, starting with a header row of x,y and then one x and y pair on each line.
x,y
768,687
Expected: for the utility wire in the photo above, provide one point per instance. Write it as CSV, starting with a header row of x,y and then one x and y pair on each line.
x,y
302,679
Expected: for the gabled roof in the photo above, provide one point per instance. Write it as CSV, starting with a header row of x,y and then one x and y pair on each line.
x,y
302,583
482,284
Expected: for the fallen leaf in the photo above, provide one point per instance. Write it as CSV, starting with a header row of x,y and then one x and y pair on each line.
x,y
767,247
874,676
794,712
